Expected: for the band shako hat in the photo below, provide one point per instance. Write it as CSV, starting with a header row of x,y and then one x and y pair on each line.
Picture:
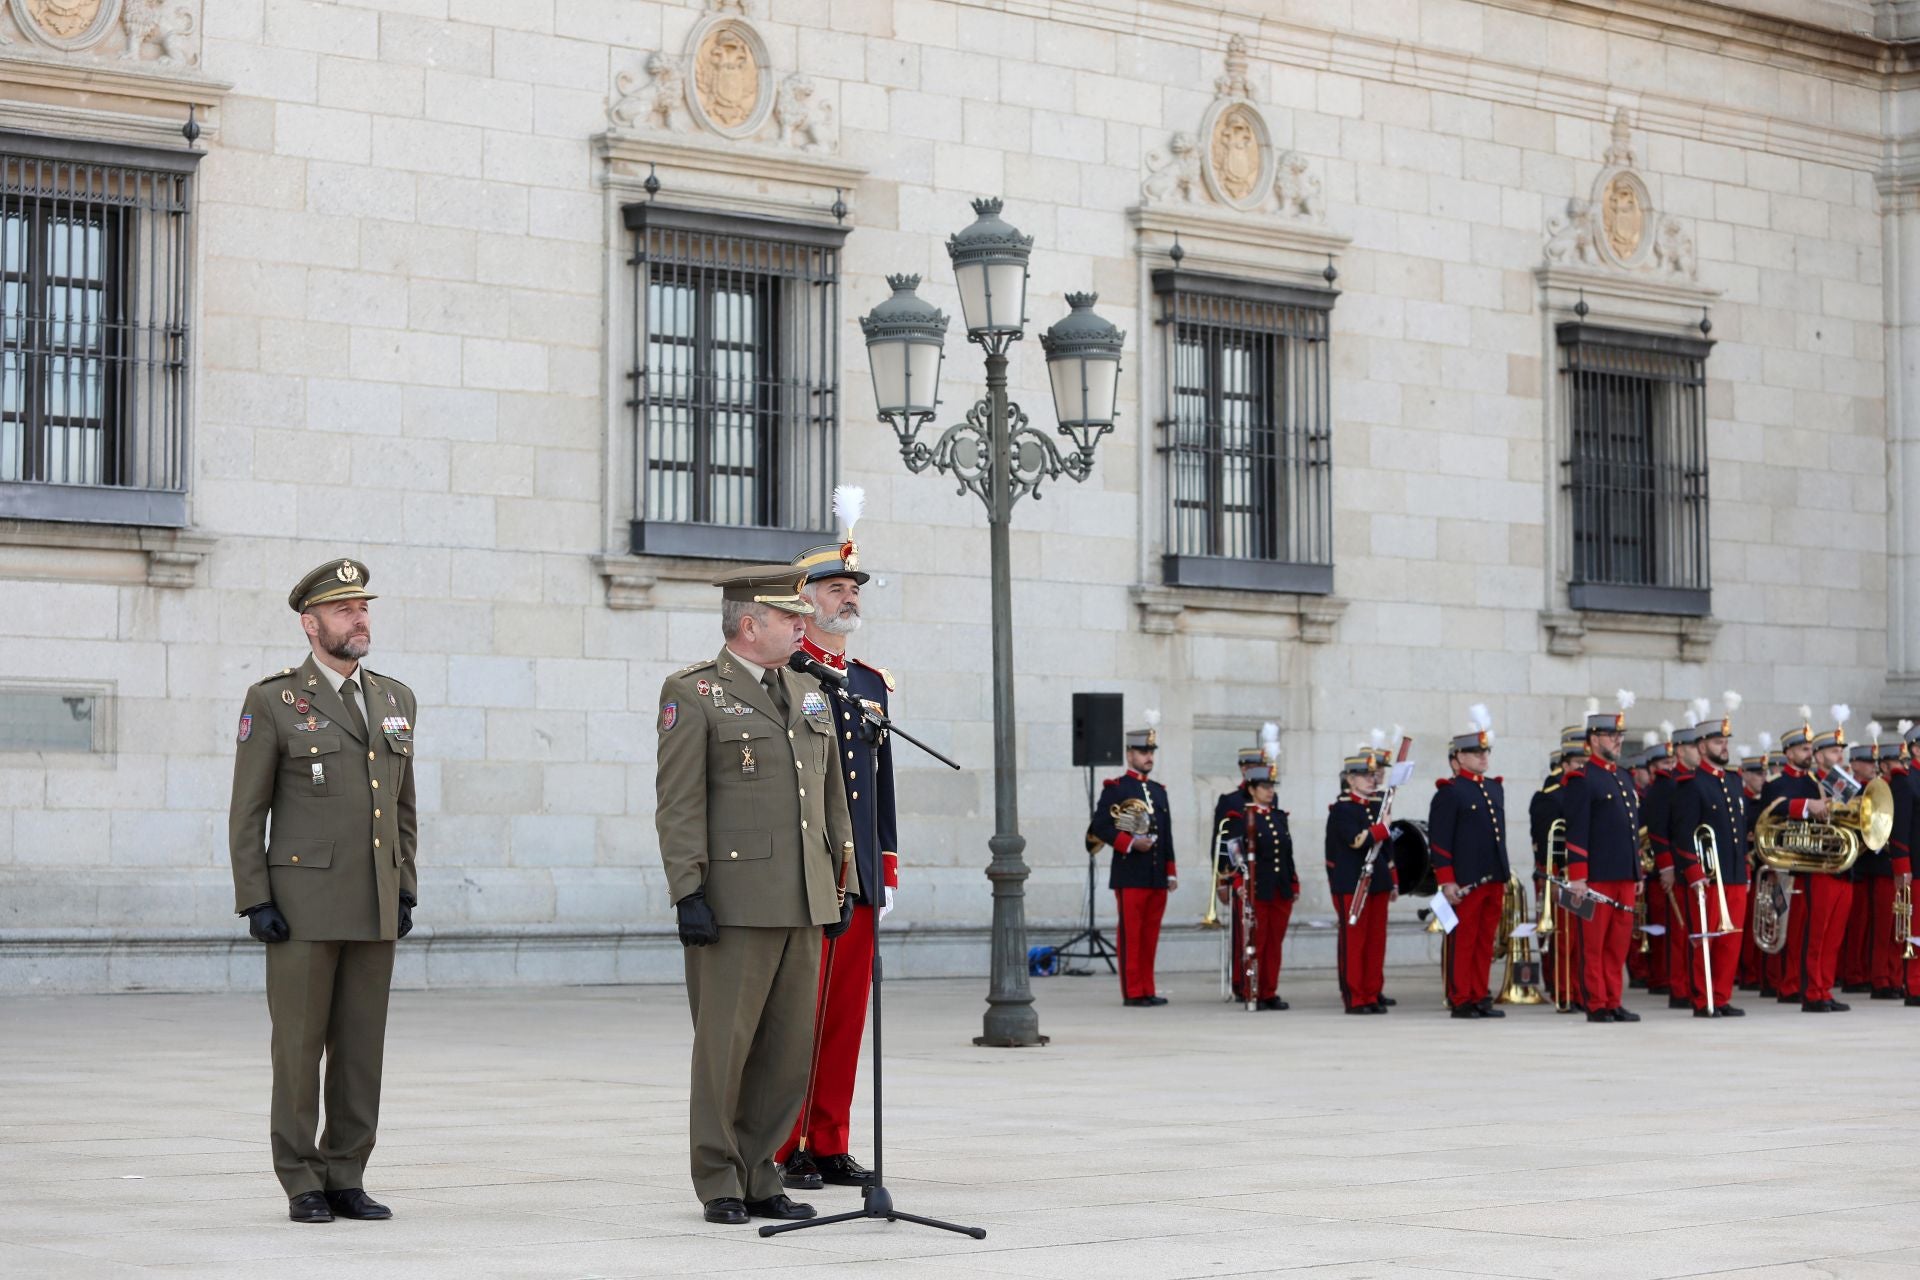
x,y
1836,736
1147,739
333,581
1480,738
1599,721
1801,734
842,559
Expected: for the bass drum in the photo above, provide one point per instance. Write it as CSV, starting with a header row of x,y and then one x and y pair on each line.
x,y
1412,857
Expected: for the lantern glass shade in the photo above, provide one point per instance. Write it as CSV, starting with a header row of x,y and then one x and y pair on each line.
x,y
906,375
1083,361
990,268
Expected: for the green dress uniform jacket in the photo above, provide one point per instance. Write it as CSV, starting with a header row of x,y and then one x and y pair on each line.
x,y
752,806
340,851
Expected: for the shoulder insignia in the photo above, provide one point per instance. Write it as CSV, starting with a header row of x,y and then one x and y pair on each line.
x,y
701,665
1441,784
1114,781
886,676
389,681
281,674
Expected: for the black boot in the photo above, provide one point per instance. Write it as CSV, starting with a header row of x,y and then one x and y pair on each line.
x,y
799,1173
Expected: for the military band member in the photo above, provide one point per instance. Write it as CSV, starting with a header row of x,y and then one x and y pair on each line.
x,y
1668,838
1656,766
1817,920
1542,810
1886,944
817,1150
1353,829
751,814
1872,884
1800,797
1268,851
1143,871
1753,779
1467,833
330,887
1603,822
1714,798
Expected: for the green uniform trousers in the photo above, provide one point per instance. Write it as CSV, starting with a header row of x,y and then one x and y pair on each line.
x,y
752,994
331,997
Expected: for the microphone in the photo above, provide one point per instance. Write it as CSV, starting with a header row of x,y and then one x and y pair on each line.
x,y
806,665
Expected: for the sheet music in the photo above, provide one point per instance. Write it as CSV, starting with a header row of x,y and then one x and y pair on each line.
x,y
1444,913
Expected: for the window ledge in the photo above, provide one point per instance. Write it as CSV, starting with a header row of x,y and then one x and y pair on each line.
x,y
1567,631
166,558
1166,611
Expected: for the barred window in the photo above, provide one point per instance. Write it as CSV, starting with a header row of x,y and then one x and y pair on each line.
x,y
1635,469
1246,433
735,375
95,299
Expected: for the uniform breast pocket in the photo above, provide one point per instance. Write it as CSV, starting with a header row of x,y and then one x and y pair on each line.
x,y
313,761
747,753
822,743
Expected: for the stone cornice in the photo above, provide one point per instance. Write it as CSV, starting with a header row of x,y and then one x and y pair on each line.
x,y
1240,243
743,176
124,102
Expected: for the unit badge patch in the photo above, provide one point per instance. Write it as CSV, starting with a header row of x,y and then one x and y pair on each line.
x,y
669,715
246,727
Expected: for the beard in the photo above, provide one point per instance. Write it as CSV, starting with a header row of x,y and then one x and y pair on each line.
x,y
348,646
844,623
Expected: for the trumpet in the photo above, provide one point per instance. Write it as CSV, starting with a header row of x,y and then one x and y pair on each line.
x,y
1903,919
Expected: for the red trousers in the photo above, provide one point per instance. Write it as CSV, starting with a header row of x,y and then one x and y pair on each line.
x,y
1815,931
1138,938
1782,968
1363,949
846,982
1466,954
1750,955
1658,976
1604,941
1679,951
1853,970
1269,937
1726,949
1883,948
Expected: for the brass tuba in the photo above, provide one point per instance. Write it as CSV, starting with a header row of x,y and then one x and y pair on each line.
x,y
1518,981
1805,846
1772,899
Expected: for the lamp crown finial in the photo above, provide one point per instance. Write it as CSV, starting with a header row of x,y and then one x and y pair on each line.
x,y
1081,301
903,283
988,206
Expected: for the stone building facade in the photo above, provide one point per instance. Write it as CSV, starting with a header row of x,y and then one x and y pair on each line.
x,y
1504,351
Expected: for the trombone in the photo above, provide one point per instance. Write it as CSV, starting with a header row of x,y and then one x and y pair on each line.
x,y
1212,919
1551,922
1706,851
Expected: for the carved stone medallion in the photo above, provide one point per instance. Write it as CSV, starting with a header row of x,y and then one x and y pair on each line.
x,y
67,25
728,77
1623,213
1237,161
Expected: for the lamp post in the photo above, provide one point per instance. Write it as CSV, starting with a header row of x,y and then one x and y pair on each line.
x,y
999,457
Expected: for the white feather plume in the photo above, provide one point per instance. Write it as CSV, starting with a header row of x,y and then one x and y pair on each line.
x,y
1731,701
1270,740
1479,717
1152,716
849,504
1397,733
1905,726
1806,714
1666,730
1377,737
1874,730
1702,708
1625,698
1840,712
1745,751
1593,706
1651,738
1766,742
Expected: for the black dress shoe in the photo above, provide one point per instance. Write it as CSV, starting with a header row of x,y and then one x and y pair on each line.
x,y
1816,1006
1156,999
1272,1004
1366,1008
357,1204
1768,991
844,1171
1913,1002
1388,1001
1138,1002
1488,1011
1732,1011
309,1206
1679,1002
1662,990
1636,984
728,1211
1705,1013
1837,1007
1622,1015
1467,1011
1788,997
1599,1015
1856,988
779,1207
799,1173
1886,993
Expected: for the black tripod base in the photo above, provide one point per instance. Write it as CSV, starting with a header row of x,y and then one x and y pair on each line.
x,y
878,1206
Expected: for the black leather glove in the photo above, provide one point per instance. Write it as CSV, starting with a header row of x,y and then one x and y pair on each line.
x,y
266,923
406,914
697,925
840,926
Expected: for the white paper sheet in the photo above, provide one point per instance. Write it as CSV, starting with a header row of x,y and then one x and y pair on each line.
x,y
1443,912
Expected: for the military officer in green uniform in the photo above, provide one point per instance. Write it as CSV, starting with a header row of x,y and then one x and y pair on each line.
x,y
321,830
751,812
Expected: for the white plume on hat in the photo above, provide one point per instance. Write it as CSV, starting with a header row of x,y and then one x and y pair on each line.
x,y
1666,730
1398,733
1699,710
1766,742
849,504
1270,740
1377,737
1651,738
1840,712
1874,730
1731,701
1806,713
1479,717
1905,727
1593,706
1625,698
1152,716
1744,750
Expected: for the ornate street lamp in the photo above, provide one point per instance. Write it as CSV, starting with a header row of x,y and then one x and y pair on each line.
x,y
999,457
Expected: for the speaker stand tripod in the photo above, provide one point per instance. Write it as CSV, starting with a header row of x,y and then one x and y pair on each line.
x,y
876,1202
1095,942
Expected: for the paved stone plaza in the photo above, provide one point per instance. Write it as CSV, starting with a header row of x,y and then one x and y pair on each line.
x,y
540,1134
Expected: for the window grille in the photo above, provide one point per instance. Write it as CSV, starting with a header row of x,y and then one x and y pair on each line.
x,y
1635,470
735,377
95,300
1246,433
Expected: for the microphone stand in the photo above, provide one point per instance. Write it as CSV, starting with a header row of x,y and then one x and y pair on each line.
x,y
876,1202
